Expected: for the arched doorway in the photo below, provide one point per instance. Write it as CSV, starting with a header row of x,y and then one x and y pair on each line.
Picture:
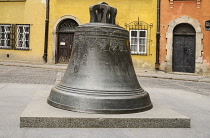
x,y
65,36
183,59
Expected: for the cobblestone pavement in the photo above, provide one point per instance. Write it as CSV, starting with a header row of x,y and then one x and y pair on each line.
x,y
30,75
27,75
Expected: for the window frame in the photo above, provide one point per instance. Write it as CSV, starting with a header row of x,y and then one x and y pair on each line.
x,y
24,36
14,36
4,33
138,45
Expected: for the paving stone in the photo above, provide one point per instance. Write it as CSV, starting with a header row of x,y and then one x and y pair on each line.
x,y
27,75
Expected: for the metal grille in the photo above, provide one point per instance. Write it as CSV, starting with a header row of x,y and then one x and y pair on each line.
x,y
22,37
13,36
184,28
5,40
140,37
67,25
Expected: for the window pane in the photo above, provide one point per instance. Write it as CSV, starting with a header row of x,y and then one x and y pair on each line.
x,y
142,41
27,36
133,33
20,29
3,28
142,33
133,40
26,29
3,36
8,42
2,43
142,49
134,48
27,44
142,45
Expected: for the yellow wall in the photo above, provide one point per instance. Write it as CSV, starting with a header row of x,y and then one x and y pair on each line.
x,y
33,12
128,11
30,12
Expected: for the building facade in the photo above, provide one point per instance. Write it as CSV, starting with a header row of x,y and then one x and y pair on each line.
x,y
184,41
138,17
22,30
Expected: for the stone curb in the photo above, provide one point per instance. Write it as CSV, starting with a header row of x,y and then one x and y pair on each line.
x,y
176,77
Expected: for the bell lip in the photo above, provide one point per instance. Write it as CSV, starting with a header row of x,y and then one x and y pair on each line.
x,y
96,111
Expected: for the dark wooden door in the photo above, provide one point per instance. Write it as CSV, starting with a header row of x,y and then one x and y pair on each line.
x,y
184,53
65,41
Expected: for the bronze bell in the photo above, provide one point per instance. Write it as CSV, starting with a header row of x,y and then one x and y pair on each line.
x,y
100,77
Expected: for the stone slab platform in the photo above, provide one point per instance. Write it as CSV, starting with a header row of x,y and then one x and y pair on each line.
x,y
38,114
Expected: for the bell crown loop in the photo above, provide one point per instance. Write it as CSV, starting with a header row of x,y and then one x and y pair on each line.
x,y
102,13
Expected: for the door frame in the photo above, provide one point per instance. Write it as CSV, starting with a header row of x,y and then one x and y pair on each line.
x,y
55,34
167,65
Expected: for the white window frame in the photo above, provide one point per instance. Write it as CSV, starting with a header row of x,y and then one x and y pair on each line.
x,y
138,45
4,36
21,39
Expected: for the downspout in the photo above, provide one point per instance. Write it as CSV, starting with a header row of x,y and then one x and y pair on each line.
x,y
46,31
157,63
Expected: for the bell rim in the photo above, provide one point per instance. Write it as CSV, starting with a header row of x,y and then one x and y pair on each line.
x,y
100,111
109,104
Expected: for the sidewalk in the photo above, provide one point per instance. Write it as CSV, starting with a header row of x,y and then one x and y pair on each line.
x,y
174,75
15,97
140,73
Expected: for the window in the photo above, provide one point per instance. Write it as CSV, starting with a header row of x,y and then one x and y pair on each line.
x,y
138,41
5,41
22,39
14,36
140,37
